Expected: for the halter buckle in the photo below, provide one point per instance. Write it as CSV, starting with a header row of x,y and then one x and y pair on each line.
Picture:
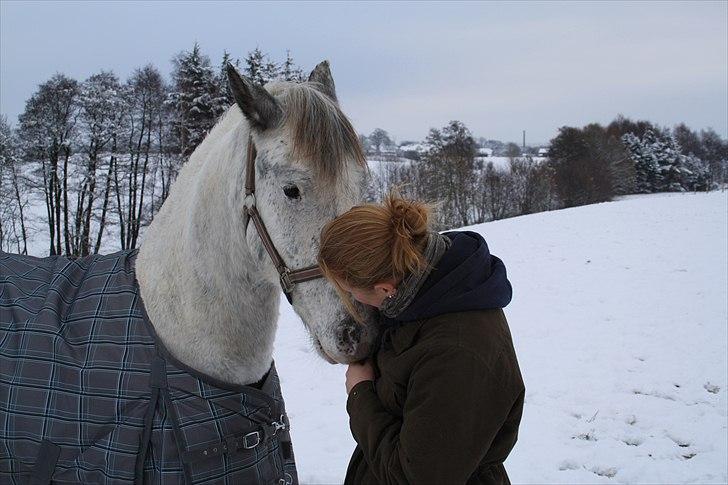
x,y
286,282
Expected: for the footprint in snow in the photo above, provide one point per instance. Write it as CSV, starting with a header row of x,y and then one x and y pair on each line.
x,y
569,465
711,388
608,472
588,436
658,394
686,454
633,441
680,442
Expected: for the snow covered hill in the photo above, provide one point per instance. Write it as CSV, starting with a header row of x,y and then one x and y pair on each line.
x,y
619,318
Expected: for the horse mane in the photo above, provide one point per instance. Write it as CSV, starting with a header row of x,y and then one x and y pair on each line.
x,y
322,134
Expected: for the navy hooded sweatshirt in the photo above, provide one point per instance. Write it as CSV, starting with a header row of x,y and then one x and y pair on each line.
x,y
467,277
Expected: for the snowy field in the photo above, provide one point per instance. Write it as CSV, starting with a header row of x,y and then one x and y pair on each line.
x,y
619,319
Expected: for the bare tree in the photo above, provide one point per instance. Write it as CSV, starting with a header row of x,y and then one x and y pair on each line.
x,y
101,111
588,164
715,154
530,186
13,199
496,195
47,128
512,150
145,104
449,170
379,139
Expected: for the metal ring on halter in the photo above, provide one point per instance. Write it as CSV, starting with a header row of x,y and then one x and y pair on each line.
x,y
249,201
286,282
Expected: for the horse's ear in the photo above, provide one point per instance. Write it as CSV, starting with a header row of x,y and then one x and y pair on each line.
x,y
321,75
257,104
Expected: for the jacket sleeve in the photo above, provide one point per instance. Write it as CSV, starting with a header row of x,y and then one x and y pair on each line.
x,y
455,405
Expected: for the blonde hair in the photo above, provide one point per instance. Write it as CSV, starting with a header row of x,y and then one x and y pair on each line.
x,y
373,243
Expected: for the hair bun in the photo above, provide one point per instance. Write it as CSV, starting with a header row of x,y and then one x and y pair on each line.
x,y
409,221
409,218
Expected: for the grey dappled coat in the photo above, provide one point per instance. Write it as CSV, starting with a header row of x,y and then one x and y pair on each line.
x,y
89,395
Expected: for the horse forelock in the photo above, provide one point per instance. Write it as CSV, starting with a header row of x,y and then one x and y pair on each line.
x,y
322,135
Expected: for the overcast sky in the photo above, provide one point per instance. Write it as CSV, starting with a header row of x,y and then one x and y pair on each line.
x,y
406,67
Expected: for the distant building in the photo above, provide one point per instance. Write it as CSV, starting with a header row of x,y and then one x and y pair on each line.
x,y
484,152
412,151
413,147
482,156
543,152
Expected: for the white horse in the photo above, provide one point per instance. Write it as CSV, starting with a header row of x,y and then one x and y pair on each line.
x,y
210,288
88,394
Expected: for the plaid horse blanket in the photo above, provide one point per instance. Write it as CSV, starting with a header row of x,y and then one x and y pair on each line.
x,y
88,394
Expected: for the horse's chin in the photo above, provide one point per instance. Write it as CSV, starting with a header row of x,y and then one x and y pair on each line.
x,y
322,353
338,358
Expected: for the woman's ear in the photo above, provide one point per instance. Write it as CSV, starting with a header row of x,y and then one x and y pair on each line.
x,y
386,288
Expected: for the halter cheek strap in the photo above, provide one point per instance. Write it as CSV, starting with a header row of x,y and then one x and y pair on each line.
x,y
288,277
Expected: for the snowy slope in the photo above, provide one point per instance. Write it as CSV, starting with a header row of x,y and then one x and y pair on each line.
x,y
619,320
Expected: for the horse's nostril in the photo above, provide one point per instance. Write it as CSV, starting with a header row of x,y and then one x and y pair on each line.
x,y
349,337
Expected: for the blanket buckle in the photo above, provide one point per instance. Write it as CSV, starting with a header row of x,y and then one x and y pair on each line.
x,y
279,425
251,440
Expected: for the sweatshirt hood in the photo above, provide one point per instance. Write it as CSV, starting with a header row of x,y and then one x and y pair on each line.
x,y
467,277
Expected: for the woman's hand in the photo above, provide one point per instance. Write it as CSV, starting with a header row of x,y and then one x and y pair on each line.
x,y
357,373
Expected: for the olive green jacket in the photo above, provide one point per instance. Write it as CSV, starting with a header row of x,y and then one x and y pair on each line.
x,y
445,406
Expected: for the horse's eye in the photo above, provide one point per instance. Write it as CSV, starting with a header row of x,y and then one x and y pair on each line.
x,y
292,192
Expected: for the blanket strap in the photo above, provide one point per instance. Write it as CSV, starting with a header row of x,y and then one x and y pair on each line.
x,y
45,463
262,434
157,381
160,396
177,432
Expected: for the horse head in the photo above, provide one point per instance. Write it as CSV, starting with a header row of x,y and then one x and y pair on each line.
x,y
308,168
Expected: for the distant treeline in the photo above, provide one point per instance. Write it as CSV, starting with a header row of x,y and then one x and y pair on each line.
x,y
583,166
99,157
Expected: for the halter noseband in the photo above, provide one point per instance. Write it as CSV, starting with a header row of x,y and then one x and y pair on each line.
x,y
288,278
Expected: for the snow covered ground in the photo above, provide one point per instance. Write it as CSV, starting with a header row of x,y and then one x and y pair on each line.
x,y
619,318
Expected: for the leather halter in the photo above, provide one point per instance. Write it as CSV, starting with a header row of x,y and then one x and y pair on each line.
x,y
288,278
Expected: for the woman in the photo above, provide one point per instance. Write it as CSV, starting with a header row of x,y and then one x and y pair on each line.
x,y
441,399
